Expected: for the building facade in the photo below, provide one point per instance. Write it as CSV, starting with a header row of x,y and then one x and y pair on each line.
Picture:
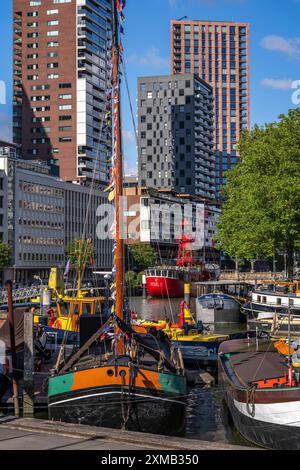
x,y
151,219
218,52
62,70
176,135
43,215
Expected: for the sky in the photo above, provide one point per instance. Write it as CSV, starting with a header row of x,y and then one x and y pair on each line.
x,y
274,53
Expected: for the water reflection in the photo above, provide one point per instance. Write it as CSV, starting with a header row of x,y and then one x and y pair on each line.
x,y
207,416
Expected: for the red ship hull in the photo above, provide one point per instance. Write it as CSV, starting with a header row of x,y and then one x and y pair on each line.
x,y
164,287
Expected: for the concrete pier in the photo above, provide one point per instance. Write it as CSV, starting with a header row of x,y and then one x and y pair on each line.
x,y
34,434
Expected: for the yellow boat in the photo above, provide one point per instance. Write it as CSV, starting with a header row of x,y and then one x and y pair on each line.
x,y
196,347
67,309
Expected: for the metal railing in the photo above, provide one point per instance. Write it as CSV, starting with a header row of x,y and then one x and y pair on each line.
x,y
18,295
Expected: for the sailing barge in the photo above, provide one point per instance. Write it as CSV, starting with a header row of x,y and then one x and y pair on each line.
x,y
134,382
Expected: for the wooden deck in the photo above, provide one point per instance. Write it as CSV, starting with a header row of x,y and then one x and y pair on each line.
x,y
33,434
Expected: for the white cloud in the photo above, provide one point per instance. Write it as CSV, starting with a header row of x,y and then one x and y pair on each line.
x,y
151,59
290,47
277,84
128,136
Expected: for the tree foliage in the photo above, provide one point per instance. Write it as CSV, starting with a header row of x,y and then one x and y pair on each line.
x,y
261,212
81,253
5,255
142,255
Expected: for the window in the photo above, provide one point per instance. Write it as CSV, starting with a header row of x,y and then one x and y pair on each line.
x,y
52,23
65,139
32,67
32,25
65,97
62,1
65,107
53,76
33,45
39,98
52,54
65,118
65,129
52,44
65,85
32,77
32,56
52,33
32,13
40,87
52,12
35,3
52,65
41,119
32,35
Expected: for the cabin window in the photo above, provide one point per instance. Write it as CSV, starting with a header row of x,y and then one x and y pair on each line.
x,y
259,298
264,300
76,309
86,309
64,308
279,301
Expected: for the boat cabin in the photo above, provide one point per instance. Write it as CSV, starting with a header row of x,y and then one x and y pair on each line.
x,y
235,289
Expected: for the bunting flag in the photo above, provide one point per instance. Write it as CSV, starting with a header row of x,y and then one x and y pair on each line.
x,y
112,117
120,4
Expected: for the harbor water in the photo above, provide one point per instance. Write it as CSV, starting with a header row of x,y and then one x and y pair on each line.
x,y
207,415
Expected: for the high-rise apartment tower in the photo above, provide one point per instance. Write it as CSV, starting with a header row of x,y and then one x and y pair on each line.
x,y
218,52
62,69
176,135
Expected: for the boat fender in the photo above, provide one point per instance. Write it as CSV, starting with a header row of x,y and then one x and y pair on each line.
x,y
251,401
133,350
291,378
58,324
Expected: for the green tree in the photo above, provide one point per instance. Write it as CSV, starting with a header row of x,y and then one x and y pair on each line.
x,y
261,212
142,255
81,253
130,278
5,255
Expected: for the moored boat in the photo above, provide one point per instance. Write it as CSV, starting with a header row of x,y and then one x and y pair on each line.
x,y
261,393
219,309
137,382
269,307
140,391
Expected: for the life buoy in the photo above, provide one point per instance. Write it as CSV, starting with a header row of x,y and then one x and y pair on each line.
x,y
58,324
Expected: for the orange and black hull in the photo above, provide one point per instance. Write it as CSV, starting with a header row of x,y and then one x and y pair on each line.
x,y
118,396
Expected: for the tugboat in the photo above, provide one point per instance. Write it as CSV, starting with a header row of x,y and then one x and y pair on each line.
x,y
168,281
139,383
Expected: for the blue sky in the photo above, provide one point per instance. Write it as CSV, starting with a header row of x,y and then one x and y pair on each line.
x,y
274,45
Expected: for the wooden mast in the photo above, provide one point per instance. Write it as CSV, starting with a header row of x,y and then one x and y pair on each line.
x,y
118,174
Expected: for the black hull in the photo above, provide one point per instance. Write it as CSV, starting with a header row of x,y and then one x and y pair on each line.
x,y
142,410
